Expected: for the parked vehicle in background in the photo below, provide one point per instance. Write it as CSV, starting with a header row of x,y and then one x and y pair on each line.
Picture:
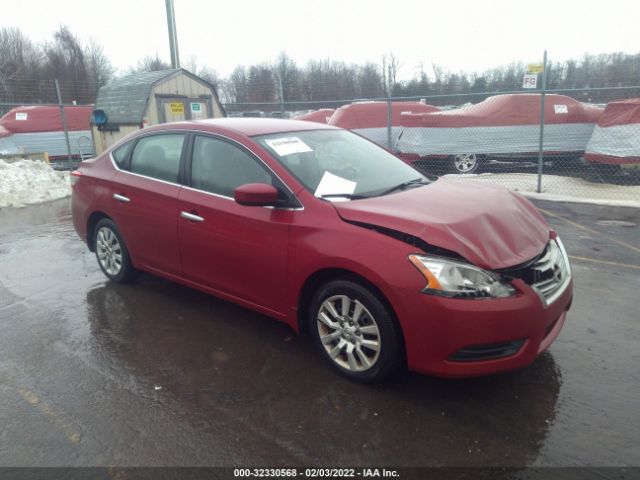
x,y
38,129
501,127
320,116
370,119
253,114
616,138
295,220
279,114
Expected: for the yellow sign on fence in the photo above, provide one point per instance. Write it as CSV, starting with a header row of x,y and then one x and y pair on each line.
x,y
177,108
535,68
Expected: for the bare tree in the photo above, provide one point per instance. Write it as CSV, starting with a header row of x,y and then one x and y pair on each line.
x,y
99,68
65,61
27,71
331,80
211,76
261,83
235,87
393,66
20,66
287,75
439,78
151,63
204,72
369,81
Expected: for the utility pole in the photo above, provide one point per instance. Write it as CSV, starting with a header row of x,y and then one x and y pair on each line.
x,y
173,35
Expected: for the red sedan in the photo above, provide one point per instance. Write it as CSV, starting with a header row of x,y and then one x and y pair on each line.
x,y
324,230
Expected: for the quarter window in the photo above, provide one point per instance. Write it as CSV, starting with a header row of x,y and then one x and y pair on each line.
x,y
220,167
120,153
158,156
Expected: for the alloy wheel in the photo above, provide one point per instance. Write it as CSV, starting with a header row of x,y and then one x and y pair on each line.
x,y
465,162
349,333
109,251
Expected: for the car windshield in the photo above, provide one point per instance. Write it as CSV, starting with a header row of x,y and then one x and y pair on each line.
x,y
339,165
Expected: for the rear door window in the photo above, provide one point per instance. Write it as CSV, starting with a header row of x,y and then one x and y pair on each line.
x,y
158,156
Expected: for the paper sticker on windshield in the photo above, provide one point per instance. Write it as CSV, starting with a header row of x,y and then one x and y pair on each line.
x,y
288,145
560,109
334,185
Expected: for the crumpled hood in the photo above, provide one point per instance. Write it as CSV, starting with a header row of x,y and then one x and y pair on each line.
x,y
488,225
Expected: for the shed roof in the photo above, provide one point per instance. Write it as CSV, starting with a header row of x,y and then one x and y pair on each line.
x,y
124,99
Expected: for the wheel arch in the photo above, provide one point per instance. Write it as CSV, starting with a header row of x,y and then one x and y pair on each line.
x,y
92,221
320,277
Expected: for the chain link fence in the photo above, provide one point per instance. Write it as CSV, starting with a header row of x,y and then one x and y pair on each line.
x,y
46,117
575,144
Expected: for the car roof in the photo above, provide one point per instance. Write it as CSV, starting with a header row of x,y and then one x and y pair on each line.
x,y
248,126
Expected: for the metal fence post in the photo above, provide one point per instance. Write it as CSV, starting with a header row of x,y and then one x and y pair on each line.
x,y
541,144
64,123
389,110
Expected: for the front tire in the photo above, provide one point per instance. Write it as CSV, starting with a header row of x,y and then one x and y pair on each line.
x,y
355,332
111,252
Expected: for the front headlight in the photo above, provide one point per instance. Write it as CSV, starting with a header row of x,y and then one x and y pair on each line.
x,y
449,278
565,257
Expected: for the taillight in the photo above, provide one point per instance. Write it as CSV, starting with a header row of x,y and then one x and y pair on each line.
x,y
75,176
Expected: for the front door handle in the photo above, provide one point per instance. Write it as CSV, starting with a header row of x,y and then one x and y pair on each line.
x,y
191,216
121,198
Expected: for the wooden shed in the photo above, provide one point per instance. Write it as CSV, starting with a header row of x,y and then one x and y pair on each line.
x,y
141,99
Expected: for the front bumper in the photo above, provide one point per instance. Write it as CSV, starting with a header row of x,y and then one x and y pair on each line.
x,y
436,329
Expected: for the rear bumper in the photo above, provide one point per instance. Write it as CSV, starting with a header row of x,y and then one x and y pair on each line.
x,y
465,338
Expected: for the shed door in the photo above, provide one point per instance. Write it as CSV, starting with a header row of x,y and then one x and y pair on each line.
x,y
174,109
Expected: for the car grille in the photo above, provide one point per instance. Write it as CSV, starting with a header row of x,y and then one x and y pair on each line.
x,y
552,273
548,275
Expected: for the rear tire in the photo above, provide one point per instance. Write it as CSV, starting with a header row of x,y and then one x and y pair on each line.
x,y
355,332
466,163
111,252
606,169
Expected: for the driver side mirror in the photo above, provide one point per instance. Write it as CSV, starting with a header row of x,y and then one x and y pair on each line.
x,y
256,195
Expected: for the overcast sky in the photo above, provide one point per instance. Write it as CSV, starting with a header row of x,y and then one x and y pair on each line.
x,y
457,35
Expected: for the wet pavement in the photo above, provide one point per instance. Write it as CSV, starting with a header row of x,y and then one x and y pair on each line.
x,y
149,374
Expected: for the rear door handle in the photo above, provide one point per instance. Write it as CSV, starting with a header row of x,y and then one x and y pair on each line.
x,y
191,216
121,198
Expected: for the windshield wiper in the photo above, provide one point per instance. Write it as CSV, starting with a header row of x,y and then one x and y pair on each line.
x,y
350,196
405,185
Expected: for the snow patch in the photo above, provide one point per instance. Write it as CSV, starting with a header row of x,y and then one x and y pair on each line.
x,y
24,182
561,189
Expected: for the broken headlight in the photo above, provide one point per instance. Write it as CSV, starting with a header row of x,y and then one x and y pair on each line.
x,y
450,278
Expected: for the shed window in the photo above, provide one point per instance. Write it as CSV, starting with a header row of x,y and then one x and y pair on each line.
x,y
158,156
